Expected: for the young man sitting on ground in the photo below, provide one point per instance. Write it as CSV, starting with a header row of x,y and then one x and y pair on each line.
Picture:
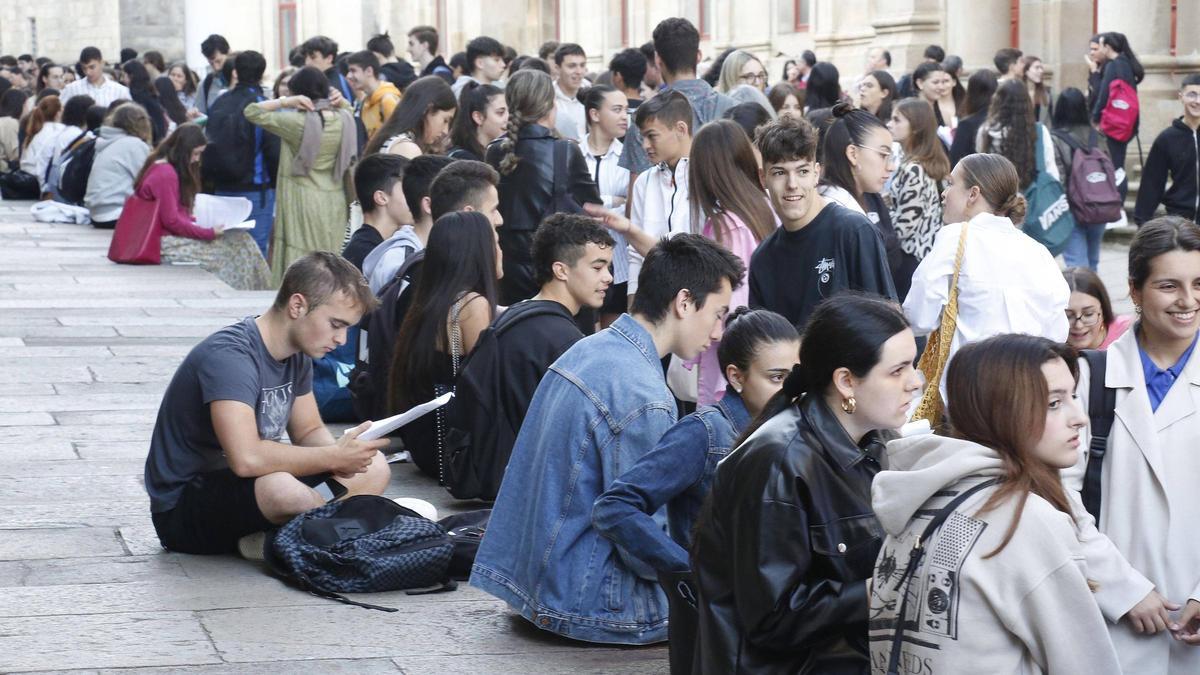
x,y
217,471
601,406
379,188
382,263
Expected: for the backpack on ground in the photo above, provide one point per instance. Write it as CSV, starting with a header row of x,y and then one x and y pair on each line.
x,y
76,168
1102,405
1092,189
1048,219
364,544
377,339
480,443
1120,115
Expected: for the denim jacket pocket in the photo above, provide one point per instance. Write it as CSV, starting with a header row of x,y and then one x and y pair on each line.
x,y
848,545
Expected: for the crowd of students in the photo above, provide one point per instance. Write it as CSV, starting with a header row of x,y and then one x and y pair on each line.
x,y
687,316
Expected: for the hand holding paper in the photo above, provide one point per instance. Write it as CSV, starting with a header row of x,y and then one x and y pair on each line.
x,y
381,428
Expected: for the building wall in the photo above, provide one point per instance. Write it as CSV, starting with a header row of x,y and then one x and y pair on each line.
x,y
63,27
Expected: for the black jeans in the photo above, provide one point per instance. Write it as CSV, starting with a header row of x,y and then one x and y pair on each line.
x,y
1116,151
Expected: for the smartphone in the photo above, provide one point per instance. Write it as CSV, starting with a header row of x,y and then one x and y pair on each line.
x,y
330,489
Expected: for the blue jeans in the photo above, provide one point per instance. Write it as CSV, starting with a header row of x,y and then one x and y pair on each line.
x,y
1083,248
262,212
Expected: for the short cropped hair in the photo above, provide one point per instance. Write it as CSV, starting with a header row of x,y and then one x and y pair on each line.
x,y
787,140
213,44
321,45
377,172
685,261
887,57
809,57
321,274
1004,59
381,44
249,66
546,51
418,176
459,185
1192,80
364,59
568,49
677,43
89,54
482,46
668,108
935,53
426,35
631,64
563,237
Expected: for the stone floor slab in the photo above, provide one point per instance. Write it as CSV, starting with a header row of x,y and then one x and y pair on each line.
x,y
72,571
36,544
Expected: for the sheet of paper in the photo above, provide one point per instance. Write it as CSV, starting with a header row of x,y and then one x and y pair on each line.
x,y
381,428
244,225
211,210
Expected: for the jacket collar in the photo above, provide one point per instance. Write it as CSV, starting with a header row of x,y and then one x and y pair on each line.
x,y
631,330
535,131
384,89
834,440
614,149
734,409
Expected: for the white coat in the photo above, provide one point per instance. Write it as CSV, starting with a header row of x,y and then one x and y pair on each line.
x,y
1150,504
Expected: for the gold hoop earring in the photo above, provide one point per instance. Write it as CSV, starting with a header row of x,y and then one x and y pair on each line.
x,y
849,405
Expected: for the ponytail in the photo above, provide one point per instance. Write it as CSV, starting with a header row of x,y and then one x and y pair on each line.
x,y
530,97
43,113
1013,208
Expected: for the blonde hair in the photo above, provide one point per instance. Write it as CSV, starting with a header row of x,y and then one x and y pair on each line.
x,y
530,97
132,119
731,70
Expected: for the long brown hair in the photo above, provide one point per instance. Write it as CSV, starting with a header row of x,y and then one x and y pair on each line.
x,y
923,145
530,97
723,178
1011,112
427,95
45,111
1039,92
176,150
997,397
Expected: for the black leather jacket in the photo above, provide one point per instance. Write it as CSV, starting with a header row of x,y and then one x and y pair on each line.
x,y
527,197
783,549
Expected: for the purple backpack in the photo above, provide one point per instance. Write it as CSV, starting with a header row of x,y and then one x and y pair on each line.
x,y
1092,189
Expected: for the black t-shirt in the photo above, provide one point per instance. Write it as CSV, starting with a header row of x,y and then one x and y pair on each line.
x,y
362,242
791,272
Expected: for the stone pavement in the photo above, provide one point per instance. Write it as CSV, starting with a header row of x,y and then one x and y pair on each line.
x,y
86,350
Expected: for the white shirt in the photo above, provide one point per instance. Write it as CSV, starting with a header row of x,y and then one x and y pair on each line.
x,y
613,181
661,208
1009,283
104,95
571,119
45,146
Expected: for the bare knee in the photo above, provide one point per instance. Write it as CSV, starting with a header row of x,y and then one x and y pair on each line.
x,y
281,497
373,481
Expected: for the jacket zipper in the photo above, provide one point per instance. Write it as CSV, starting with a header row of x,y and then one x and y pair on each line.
x,y
674,191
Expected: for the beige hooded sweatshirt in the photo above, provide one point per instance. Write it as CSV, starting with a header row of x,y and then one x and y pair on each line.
x,y
1025,610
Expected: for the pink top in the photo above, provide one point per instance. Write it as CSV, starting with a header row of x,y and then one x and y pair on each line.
x,y
738,238
1116,329
161,184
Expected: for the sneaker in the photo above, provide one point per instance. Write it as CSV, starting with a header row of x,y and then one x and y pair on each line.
x,y
251,546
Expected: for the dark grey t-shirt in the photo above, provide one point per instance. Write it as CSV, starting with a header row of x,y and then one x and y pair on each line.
x,y
232,364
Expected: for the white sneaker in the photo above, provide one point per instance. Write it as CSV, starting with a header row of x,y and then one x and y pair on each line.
x,y
251,546
421,506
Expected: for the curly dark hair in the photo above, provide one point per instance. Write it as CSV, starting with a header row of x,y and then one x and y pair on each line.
x,y
1011,112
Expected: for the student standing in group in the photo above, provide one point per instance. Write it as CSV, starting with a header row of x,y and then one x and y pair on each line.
x,y
527,157
317,149
453,302
50,76
121,150
1072,130
628,68
608,121
175,113
183,80
570,121
379,98
391,67
420,124
171,177
484,63
142,92
94,82
1010,131
824,89
320,52
936,86
1009,65
916,189
1120,64
980,88
242,160
877,94
822,247
905,88
543,555
1042,95
784,548
742,67
384,261
786,100
482,117
1147,499
1175,153
423,48
1093,324
215,49
992,589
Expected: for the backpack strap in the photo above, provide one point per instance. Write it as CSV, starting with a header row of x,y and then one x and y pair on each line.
x,y
914,561
1102,403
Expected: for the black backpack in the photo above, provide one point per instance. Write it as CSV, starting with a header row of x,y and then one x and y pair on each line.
x,y
76,168
1102,404
479,444
377,339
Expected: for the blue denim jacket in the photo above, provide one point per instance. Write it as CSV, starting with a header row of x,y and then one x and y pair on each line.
x,y
678,473
602,405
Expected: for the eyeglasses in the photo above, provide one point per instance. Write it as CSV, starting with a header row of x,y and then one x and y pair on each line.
x,y
1192,96
1087,319
759,78
889,157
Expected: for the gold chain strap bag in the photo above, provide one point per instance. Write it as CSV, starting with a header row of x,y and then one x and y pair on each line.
x,y
937,349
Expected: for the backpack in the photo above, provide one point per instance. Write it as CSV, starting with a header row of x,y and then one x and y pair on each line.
x,y
479,444
377,339
1120,115
76,168
1092,189
1048,220
363,544
1102,405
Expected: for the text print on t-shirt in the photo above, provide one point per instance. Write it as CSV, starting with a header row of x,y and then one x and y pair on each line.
x,y
824,268
274,409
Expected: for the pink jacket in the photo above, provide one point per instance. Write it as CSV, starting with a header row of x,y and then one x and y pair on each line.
x,y
738,238
161,184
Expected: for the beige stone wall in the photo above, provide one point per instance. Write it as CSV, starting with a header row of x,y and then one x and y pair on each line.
x,y
63,27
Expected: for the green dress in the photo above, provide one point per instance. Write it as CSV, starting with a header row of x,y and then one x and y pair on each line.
x,y
310,211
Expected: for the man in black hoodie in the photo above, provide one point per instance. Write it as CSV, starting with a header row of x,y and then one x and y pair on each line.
x,y
1174,153
391,68
423,48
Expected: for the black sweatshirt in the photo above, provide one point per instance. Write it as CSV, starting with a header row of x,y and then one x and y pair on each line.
x,y
1175,153
1119,68
791,272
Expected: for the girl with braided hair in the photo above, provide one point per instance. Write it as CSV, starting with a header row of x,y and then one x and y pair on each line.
x,y
540,175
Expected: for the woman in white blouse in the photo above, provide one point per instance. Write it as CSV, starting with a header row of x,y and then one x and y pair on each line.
x,y
1008,282
606,111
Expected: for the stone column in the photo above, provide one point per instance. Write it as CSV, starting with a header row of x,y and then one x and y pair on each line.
x,y
905,28
975,30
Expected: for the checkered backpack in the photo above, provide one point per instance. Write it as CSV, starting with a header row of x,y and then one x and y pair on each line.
x,y
364,544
